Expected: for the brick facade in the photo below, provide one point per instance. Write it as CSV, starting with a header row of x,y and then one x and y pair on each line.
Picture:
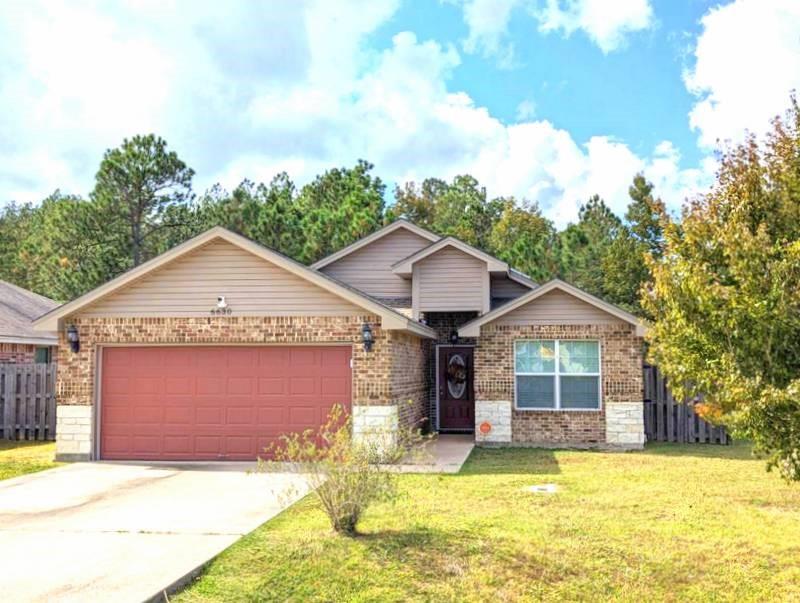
x,y
17,353
390,374
621,379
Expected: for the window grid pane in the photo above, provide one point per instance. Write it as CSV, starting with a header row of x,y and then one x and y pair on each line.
x,y
536,392
546,386
579,357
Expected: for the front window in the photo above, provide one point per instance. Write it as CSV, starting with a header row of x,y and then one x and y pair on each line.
x,y
43,356
557,374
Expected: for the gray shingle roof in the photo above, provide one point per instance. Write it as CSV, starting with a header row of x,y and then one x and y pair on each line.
x,y
18,308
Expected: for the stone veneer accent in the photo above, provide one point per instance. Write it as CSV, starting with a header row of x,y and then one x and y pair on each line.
x,y
498,414
17,353
625,424
74,428
621,375
389,375
376,425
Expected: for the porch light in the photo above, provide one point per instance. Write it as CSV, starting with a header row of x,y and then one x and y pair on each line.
x,y
366,337
454,337
73,338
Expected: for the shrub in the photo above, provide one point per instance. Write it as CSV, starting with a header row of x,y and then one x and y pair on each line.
x,y
345,474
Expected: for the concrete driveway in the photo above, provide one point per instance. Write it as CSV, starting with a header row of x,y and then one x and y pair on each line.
x,y
125,532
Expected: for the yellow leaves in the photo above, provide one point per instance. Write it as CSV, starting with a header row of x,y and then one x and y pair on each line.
x,y
64,262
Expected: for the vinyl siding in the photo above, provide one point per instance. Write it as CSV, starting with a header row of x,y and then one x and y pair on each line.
x,y
556,308
189,286
504,288
451,280
369,269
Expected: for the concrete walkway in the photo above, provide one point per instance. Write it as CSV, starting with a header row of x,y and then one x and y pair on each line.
x,y
124,532
445,453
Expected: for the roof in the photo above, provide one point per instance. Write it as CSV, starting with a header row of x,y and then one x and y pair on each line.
x,y
391,319
473,328
18,308
404,266
380,233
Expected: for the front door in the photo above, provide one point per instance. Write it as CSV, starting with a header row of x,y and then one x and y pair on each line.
x,y
456,392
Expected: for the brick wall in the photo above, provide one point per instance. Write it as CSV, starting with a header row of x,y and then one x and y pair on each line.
x,y
389,374
621,375
17,353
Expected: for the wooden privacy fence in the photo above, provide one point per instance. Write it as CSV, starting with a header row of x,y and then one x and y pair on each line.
x,y
669,420
28,401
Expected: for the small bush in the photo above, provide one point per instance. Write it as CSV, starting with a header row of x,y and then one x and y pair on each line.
x,y
346,475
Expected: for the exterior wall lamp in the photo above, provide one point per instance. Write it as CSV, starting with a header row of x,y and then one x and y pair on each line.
x,y
367,337
73,338
454,337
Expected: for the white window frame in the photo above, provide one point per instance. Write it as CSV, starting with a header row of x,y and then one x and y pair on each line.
x,y
557,376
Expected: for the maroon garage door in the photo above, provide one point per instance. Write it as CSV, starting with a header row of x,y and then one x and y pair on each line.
x,y
210,403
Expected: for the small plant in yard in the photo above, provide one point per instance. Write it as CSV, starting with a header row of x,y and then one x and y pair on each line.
x,y
346,474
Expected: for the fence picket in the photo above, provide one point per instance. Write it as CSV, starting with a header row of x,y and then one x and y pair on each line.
x,y
27,401
669,420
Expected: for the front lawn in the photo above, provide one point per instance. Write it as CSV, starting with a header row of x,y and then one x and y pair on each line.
x,y
18,458
671,523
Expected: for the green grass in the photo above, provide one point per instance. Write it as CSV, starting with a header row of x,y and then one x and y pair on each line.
x,y
672,523
19,458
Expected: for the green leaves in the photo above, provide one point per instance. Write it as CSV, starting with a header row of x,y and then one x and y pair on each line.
x,y
726,295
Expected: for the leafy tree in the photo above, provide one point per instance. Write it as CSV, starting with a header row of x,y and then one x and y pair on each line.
x,y
624,263
135,185
525,239
582,246
15,224
726,296
460,209
266,213
338,208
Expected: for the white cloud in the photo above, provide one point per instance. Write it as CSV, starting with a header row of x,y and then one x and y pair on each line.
x,y
747,60
304,94
607,23
488,21
526,110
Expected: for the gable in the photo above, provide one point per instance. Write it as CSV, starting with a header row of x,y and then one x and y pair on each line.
x,y
369,268
190,284
451,280
556,307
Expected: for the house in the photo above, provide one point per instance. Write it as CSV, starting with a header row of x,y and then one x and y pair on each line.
x,y
19,341
215,348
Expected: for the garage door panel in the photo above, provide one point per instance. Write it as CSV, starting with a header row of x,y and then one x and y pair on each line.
x,y
215,402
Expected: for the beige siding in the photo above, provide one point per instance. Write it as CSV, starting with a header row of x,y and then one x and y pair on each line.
x,y
504,288
369,269
556,308
189,286
451,280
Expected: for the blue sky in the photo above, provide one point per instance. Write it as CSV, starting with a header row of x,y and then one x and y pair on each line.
x,y
547,100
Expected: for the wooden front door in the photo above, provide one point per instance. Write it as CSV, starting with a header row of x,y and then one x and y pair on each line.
x,y
456,392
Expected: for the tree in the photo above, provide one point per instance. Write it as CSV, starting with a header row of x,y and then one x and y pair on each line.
x,y
338,208
15,224
726,296
459,209
582,246
136,183
625,269
525,239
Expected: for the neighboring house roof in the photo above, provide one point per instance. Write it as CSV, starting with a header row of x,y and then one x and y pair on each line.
x,y
391,319
405,266
473,328
390,228
18,308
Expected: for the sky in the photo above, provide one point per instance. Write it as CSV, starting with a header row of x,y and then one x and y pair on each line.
x,y
546,100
